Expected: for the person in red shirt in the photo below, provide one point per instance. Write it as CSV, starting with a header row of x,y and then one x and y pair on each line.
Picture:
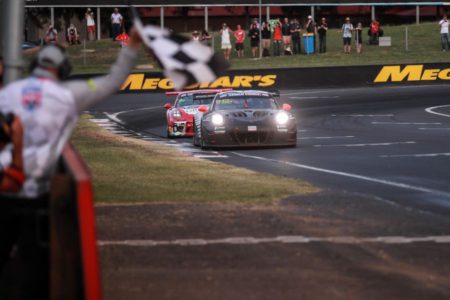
x,y
374,32
277,38
239,35
123,39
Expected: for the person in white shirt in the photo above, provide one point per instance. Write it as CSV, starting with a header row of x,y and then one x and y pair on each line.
x,y
225,33
347,31
116,23
72,35
90,24
444,33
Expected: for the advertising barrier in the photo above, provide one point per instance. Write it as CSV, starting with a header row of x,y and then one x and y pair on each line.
x,y
300,78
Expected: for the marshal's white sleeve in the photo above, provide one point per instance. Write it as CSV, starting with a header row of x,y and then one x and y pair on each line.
x,y
89,92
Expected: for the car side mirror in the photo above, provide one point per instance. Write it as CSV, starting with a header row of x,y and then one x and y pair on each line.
x,y
167,106
286,107
203,108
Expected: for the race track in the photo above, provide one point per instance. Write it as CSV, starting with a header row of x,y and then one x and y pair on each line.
x,y
374,141
380,228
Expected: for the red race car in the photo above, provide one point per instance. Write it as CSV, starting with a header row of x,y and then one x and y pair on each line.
x,y
180,116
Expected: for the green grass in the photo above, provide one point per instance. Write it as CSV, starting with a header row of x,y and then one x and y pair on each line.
x,y
424,46
129,170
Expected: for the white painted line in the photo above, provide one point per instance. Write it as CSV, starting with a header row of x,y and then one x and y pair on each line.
x,y
120,132
434,128
210,156
404,123
100,120
293,239
417,155
350,175
326,137
303,130
361,115
314,97
368,145
431,111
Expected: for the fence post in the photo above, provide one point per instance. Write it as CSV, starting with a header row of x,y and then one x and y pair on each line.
x,y
406,39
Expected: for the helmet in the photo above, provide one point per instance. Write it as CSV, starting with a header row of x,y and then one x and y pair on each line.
x,y
53,57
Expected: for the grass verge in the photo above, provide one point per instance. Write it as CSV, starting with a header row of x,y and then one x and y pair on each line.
x,y
129,170
423,46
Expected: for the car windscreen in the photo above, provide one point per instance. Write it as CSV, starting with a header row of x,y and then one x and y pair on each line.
x,y
245,102
194,99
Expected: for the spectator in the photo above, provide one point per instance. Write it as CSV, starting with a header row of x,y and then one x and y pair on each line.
x,y
287,38
12,176
311,28
225,33
374,32
296,30
322,31
51,36
254,39
196,36
72,35
123,39
359,39
116,23
90,24
265,34
277,38
205,38
347,30
239,35
444,34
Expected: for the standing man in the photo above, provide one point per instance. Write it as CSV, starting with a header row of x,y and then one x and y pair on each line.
x,y
322,31
116,23
296,30
374,32
90,24
239,35
444,34
311,28
49,108
347,30
51,36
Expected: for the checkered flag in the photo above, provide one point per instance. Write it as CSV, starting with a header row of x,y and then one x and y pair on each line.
x,y
184,61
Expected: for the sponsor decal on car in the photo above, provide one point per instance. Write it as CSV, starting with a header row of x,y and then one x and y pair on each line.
x,y
139,82
411,73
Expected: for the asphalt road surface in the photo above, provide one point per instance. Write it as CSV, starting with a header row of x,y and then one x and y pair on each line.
x,y
379,229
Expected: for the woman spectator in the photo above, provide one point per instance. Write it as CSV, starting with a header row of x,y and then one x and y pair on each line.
x,y
239,35
287,38
72,35
90,24
359,39
225,33
277,38
205,38
266,33
254,39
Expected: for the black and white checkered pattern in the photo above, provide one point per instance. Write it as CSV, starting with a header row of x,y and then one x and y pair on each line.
x,y
184,61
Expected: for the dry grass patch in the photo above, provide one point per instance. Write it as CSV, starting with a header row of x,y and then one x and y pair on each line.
x,y
131,170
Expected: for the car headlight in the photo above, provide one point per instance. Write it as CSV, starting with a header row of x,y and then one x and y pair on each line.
x,y
282,118
217,119
176,114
